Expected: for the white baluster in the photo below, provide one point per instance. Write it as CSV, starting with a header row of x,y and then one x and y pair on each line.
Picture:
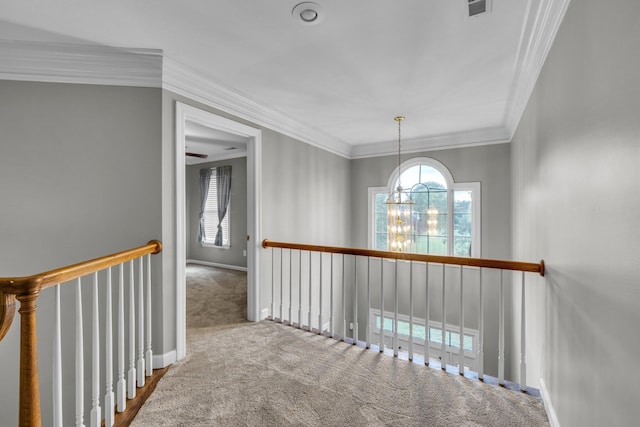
x,y
411,310
320,297
355,300
443,353
281,277
57,364
140,369
96,411
131,378
79,358
381,349
481,333
344,303
273,284
149,353
290,285
331,332
523,343
461,343
299,289
501,333
121,387
395,312
427,330
109,398
310,294
368,338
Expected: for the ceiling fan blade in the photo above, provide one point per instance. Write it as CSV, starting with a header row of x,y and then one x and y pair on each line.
x,y
202,156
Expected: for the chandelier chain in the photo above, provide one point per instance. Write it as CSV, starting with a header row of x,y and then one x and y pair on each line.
x,y
399,119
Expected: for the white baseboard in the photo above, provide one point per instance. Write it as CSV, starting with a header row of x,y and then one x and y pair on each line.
x,y
164,360
548,406
216,264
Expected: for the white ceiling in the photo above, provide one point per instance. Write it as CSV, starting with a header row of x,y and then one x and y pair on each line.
x,y
214,143
458,80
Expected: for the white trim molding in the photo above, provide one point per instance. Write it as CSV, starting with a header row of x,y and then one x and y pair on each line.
x,y
105,65
80,63
164,360
184,113
196,86
216,264
471,138
548,406
541,24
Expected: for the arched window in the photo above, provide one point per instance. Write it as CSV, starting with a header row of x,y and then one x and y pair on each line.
x,y
446,214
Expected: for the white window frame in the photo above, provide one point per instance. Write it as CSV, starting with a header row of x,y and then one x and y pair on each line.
x,y
226,222
435,348
452,186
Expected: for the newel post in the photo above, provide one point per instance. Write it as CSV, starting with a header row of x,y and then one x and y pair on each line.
x,y
29,414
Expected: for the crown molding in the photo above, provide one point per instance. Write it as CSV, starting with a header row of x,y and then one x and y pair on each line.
x,y
104,65
541,24
471,138
79,63
189,83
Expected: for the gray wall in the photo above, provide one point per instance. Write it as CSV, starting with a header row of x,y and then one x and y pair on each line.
x,y
576,158
237,215
489,165
304,198
79,179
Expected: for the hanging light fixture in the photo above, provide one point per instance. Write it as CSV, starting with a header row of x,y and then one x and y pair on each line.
x,y
400,223
432,221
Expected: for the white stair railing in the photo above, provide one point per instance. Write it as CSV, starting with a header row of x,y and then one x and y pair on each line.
x,y
121,386
98,271
402,326
79,358
109,398
144,363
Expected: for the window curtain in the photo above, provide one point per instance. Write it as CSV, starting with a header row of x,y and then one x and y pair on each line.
x,y
223,179
205,178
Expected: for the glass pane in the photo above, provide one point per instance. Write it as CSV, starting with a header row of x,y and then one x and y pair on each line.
x,y
403,328
468,343
380,226
462,223
435,335
430,212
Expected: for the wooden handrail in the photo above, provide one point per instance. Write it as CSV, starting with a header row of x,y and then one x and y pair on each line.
x,y
28,284
26,290
472,262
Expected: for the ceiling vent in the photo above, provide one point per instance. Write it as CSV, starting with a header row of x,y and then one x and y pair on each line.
x,y
478,7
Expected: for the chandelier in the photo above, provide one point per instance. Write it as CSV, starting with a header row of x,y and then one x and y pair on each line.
x,y
400,222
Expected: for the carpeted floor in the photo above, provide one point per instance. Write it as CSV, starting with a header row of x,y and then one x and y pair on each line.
x,y
238,373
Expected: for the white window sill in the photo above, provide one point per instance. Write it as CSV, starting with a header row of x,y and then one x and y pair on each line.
x,y
211,245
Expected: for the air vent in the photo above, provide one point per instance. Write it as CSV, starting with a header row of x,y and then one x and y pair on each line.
x,y
477,7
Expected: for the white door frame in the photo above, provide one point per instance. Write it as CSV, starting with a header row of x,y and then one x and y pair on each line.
x,y
186,113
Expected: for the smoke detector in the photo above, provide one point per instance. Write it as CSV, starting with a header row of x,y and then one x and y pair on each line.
x,y
307,13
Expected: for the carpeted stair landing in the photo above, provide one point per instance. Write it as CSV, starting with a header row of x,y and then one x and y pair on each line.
x,y
266,374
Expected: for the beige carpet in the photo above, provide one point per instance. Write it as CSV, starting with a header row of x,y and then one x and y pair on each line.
x,y
266,374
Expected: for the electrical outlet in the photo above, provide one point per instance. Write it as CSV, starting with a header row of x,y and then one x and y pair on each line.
x,y
351,326
244,253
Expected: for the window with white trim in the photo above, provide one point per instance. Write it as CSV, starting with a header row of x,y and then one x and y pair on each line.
x,y
446,213
452,337
211,216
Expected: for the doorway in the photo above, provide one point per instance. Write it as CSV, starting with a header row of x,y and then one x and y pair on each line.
x,y
187,115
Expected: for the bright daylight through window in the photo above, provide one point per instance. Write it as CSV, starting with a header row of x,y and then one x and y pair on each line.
x,y
446,215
